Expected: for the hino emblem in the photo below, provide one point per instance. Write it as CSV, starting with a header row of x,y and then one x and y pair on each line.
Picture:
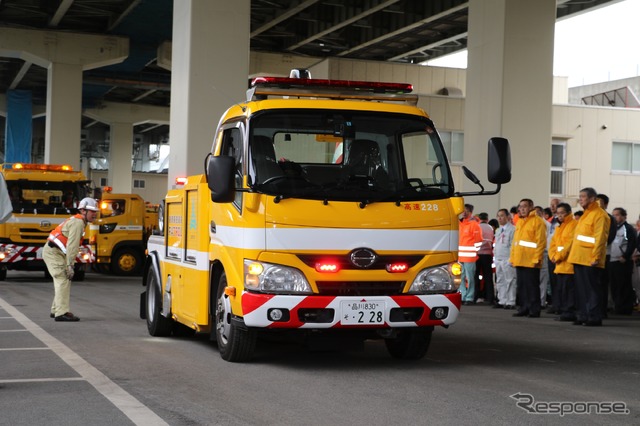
x,y
45,224
362,257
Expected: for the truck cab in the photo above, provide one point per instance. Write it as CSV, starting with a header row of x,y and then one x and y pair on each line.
x,y
328,209
42,196
120,232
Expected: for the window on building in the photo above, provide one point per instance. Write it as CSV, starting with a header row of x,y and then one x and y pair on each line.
x,y
138,183
558,167
625,157
453,143
103,182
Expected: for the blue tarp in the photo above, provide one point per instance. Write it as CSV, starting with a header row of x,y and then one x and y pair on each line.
x,y
18,128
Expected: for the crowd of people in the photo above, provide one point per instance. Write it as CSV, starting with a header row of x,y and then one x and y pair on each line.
x,y
578,265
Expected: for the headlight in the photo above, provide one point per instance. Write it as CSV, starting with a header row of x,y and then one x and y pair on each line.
x,y
272,278
438,279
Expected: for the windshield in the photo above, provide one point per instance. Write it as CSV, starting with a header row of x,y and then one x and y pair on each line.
x,y
347,155
112,207
42,197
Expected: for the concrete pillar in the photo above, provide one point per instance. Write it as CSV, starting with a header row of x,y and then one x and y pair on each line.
x,y
122,118
119,175
209,71
65,55
509,94
64,114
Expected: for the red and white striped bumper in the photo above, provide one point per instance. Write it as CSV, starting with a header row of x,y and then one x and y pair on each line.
x,y
12,253
329,311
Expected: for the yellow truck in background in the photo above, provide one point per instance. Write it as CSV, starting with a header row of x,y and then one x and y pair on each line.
x,y
327,210
42,196
119,234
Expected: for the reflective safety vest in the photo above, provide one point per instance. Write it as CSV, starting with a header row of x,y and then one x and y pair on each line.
x,y
58,238
470,241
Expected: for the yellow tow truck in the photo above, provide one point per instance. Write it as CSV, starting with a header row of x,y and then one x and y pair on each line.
x,y
119,234
327,210
42,196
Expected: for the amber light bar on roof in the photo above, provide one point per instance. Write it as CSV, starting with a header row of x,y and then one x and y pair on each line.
x,y
369,86
265,87
41,167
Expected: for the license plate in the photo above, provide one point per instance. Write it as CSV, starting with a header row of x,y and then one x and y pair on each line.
x,y
362,313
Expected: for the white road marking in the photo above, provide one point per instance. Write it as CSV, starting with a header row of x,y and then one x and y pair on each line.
x,y
24,349
53,379
137,412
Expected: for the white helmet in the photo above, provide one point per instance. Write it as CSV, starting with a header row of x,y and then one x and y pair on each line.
x,y
88,204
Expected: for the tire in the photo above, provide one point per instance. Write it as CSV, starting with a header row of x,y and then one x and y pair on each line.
x,y
3,274
47,275
157,325
126,262
410,344
235,343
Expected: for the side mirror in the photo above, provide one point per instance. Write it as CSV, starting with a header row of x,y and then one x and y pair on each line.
x,y
499,161
220,174
498,167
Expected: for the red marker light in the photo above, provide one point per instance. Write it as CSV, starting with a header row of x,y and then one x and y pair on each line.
x,y
181,180
327,266
397,267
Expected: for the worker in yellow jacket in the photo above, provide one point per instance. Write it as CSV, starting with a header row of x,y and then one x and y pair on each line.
x,y
588,255
527,255
559,250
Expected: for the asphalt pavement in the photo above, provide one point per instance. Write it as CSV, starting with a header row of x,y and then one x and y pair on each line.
x,y
488,368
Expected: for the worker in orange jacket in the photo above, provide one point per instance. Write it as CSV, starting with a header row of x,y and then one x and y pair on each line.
x,y
588,255
559,250
527,255
470,240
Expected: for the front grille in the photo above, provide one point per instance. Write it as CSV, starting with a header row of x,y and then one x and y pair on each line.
x,y
33,231
359,288
33,235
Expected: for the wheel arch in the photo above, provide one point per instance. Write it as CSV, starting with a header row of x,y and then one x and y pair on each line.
x,y
151,265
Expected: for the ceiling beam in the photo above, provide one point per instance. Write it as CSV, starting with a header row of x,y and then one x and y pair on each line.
x,y
430,46
342,24
60,12
124,14
151,128
144,95
405,29
18,78
286,15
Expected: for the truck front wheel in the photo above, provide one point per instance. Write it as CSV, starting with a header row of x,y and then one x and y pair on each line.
x,y
236,343
126,261
410,344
